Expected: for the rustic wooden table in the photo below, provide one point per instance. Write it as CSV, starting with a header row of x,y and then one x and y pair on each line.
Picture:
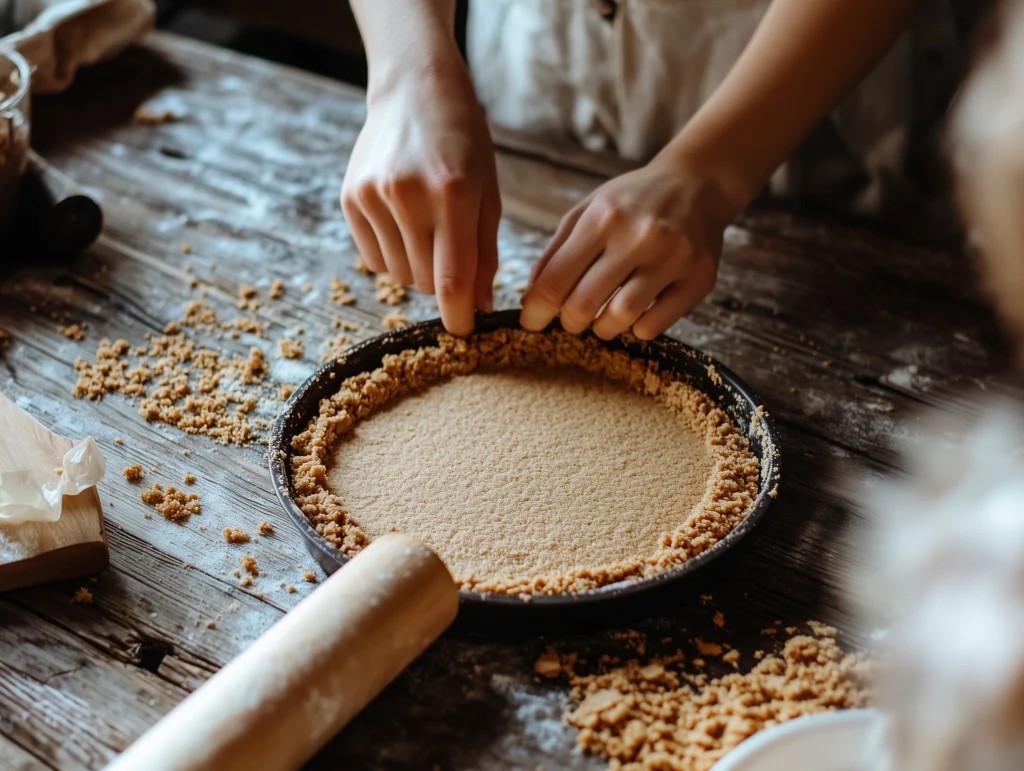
x,y
845,336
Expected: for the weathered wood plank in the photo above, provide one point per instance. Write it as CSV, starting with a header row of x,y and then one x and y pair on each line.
x,y
14,758
70,707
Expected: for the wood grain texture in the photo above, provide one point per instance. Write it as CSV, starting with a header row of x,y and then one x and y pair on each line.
x,y
848,338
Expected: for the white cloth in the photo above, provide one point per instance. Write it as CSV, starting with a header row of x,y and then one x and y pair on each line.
x,y
30,495
59,36
626,76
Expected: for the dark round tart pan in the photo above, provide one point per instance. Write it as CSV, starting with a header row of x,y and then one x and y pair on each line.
x,y
604,604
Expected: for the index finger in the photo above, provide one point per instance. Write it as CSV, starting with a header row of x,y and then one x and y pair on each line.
x,y
455,266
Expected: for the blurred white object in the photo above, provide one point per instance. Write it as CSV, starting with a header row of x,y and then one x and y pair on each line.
x,y
30,495
831,741
949,547
987,155
59,36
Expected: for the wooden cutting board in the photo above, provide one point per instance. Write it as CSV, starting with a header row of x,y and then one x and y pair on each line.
x,y
37,552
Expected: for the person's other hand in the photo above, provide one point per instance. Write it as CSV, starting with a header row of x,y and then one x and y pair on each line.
x,y
421,192
640,252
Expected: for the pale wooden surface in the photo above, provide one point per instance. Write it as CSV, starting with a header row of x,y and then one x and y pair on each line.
x,y
250,178
33,552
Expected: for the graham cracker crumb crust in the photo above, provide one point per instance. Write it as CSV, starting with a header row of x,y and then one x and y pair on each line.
x,y
732,470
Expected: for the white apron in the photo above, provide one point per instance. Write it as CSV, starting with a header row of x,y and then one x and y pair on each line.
x,y
626,76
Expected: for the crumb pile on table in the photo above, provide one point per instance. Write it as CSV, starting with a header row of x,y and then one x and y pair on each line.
x,y
666,713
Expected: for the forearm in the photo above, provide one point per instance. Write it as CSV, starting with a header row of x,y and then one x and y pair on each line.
x,y
406,38
802,58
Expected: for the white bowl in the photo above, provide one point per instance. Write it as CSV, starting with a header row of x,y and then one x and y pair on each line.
x,y
832,741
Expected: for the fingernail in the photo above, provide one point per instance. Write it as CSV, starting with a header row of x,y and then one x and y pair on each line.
x,y
534,319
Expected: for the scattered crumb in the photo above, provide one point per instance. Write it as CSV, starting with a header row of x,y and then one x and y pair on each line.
x,y
248,298
133,473
826,364
395,320
285,391
758,655
708,649
719,619
146,117
339,293
289,348
265,528
362,267
276,291
172,504
72,331
211,624
186,453
822,630
190,478
334,347
291,589
732,657
249,565
520,288
770,631
235,535
82,596
791,630
348,326
245,582
309,576
186,248
389,291
705,599
548,665
244,324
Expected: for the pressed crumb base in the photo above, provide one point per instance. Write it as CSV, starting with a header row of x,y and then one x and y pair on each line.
x,y
535,471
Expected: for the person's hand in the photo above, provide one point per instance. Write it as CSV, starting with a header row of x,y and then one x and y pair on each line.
x,y
639,252
421,192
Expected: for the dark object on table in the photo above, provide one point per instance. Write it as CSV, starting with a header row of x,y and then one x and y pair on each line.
x,y
56,220
689,365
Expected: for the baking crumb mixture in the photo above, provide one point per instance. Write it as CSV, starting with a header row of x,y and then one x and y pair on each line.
x,y
492,522
133,473
171,503
666,714
236,535
182,382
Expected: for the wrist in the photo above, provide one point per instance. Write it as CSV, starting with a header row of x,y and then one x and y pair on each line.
x,y
728,186
435,69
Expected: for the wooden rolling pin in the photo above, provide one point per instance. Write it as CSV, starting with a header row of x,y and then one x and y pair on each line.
x,y
279,701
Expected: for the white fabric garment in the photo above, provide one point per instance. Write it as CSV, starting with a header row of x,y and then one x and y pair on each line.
x,y
59,36
626,76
